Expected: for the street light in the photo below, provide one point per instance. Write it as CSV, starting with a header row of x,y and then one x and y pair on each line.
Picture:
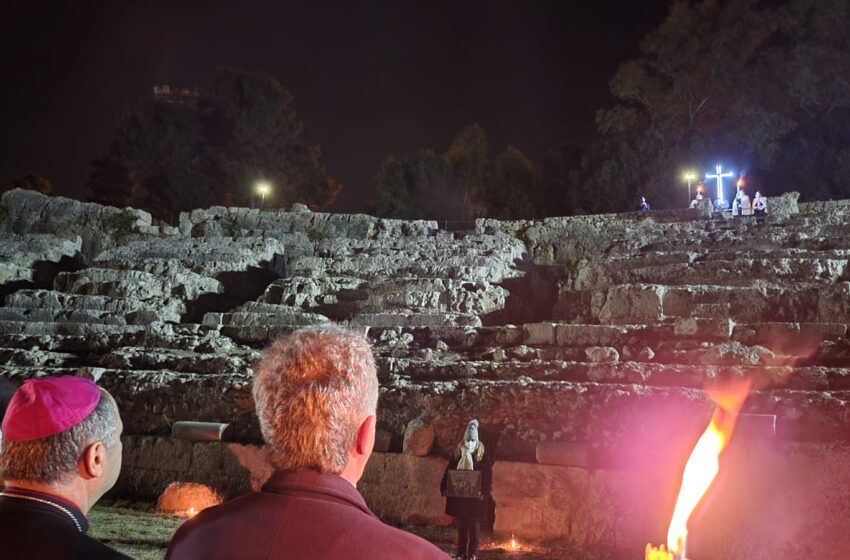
x,y
263,188
689,177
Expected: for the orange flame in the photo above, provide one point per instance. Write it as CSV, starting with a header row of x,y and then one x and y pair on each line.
x,y
703,464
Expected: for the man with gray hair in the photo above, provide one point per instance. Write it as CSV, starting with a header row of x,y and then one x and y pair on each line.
x,y
316,394
61,453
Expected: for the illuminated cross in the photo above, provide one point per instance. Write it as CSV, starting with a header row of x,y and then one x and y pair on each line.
x,y
719,175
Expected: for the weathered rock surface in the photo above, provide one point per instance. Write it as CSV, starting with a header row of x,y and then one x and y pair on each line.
x,y
598,331
418,437
746,515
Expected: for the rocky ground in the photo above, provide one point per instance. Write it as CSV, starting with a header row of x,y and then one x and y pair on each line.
x,y
143,535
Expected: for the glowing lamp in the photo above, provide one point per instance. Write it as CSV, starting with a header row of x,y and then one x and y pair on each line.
x,y
689,177
263,188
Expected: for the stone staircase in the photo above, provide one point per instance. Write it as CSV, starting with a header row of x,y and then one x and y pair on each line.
x,y
646,309
597,331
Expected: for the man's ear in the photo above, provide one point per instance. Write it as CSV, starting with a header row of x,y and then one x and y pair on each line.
x,y
93,461
365,441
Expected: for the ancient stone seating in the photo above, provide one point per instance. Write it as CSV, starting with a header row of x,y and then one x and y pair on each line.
x,y
600,331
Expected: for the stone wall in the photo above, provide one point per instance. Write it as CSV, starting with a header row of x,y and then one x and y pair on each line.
x,y
599,331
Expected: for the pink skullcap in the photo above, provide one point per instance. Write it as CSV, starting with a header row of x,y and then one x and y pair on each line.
x,y
44,407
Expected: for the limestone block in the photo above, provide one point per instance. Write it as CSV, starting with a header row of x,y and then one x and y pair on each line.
x,y
703,329
780,208
383,441
770,501
152,463
602,354
542,502
632,304
834,304
539,334
564,454
418,437
405,489
588,335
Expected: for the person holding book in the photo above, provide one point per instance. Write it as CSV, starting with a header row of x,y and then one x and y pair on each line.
x,y
468,494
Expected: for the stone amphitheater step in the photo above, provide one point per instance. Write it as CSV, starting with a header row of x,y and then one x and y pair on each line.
x,y
128,309
257,336
150,401
485,258
794,336
22,255
814,378
756,236
190,338
219,220
135,284
525,411
146,358
456,267
256,314
17,357
58,328
35,315
741,271
205,256
608,415
804,302
340,298
413,319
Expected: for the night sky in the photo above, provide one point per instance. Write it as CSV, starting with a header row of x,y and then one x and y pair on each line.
x,y
370,78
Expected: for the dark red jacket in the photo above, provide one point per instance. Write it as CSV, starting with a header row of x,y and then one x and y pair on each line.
x,y
297,515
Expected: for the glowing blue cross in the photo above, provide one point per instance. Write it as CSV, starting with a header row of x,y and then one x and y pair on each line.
x,y
719,175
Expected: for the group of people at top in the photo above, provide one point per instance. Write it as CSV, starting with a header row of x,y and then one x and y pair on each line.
x,y
316,397
741,204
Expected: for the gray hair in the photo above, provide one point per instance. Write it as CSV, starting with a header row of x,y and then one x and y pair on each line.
x,y
313,389
54,458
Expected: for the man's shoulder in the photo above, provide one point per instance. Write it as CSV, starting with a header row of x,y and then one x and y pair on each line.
x,y
397,543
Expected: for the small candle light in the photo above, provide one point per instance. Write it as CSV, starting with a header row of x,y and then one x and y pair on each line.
x,y
659,553
514,544
191,512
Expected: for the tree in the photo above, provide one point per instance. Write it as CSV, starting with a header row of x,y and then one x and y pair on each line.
x,y
469,156
112,182
191,149
393,191
32,182
509,195
253,133
734,80
424,186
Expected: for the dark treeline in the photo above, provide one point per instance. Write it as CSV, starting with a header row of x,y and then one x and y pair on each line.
x,y
181,149
761,87
764,90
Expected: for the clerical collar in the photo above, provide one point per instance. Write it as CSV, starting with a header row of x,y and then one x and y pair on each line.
x,y
68,509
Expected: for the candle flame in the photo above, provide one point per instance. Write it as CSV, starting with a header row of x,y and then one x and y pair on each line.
x,y
191,512
514,544
703,464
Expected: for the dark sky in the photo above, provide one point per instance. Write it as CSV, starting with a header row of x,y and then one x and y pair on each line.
x,y
370,78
